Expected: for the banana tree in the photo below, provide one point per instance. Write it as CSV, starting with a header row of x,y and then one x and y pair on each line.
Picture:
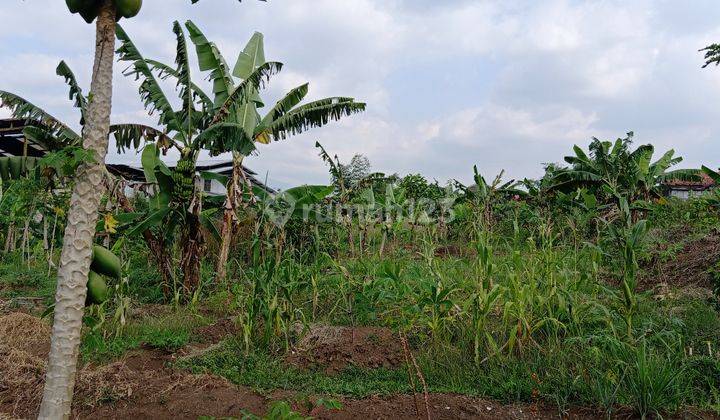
x,y
288,117
199,124
229,119
712,54
714,198
715,175
482,195
613,170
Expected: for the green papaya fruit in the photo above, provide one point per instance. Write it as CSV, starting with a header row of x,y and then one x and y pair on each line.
x,y
105,262
74,5
97,290
128,8
4,168
89,10
15,166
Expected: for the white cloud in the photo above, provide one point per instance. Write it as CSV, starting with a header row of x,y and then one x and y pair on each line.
x,y
536,77
483,125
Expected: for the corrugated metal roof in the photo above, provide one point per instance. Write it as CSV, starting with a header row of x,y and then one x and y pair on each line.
x,y
704,183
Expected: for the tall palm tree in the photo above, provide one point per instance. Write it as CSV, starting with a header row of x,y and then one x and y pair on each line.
x,y
228,122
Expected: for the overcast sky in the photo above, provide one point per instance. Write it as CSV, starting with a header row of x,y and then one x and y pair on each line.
x,y
449,83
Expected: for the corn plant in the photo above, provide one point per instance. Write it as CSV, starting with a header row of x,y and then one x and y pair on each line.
x,y
629,238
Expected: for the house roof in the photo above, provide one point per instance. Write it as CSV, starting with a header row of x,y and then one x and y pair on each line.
x,y
13,143
134,173
704,183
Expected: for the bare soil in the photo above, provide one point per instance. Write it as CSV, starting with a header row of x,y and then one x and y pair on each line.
x,y
143,385
333,348
217,331
689,267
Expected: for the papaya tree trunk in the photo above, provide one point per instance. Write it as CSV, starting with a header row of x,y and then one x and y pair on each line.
x,y
80,230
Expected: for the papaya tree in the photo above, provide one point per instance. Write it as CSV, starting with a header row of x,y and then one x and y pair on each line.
x,y
226,122
76,254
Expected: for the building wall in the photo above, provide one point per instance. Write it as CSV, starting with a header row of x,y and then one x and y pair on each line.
x,y
212,186
685,194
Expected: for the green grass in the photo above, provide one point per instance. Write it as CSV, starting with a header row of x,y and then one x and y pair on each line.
x,y
20,279
595,370
264,372
170,333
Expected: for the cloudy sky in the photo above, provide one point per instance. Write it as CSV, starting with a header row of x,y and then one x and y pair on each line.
x,y
501,84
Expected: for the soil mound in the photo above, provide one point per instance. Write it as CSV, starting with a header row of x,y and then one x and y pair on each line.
x,y
217,332
333,348
22,376
25,333
691,265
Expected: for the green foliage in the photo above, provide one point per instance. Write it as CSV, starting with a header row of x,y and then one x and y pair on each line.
x,y
169,332
64,162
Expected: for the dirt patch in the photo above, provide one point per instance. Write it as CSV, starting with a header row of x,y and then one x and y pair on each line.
x,y
22,376
142,385
447,406
215,333
332,348
25,333
168,394
690,266
147,359
450,251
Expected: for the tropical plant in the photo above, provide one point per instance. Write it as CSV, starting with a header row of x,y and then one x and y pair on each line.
x,y
80,230
712,54
229,122
83,209
481,196
614,170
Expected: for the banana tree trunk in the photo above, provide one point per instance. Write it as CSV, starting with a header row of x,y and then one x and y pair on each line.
x,y
229,218
80,230
158,249
192,250
10,238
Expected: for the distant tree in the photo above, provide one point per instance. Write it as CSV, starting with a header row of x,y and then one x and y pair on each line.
x,y
417,187
355,171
